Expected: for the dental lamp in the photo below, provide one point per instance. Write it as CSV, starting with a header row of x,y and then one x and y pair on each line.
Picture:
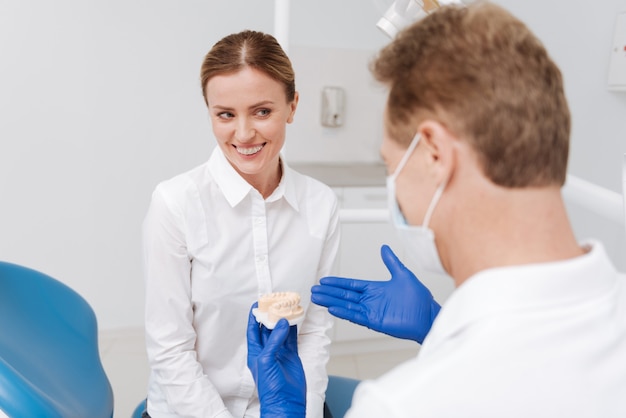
x,y
404,12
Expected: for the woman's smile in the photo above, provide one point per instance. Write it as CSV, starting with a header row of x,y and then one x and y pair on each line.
x,y
250,150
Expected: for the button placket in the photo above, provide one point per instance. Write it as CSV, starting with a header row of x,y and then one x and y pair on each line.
x,y
260,238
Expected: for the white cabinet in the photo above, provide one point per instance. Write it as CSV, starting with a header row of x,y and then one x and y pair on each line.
x,y
359,251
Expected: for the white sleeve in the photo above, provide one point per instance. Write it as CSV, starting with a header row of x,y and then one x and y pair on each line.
x,y
170,335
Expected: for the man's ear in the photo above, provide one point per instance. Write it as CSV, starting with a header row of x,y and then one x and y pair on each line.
x,y
439,143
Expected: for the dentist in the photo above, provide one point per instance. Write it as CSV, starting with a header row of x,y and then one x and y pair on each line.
x,y
477,139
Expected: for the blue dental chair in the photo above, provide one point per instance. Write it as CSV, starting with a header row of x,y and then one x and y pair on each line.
x,y
338,396
49,360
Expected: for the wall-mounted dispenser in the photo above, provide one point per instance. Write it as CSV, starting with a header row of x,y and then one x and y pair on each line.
x,y
333,106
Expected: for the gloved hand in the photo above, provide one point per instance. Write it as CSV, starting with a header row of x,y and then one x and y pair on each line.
x,y
401,307
276,368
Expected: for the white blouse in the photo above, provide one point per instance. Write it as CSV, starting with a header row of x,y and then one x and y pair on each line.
x,y
213,245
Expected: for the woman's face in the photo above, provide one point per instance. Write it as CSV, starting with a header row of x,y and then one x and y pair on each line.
x,y
249,112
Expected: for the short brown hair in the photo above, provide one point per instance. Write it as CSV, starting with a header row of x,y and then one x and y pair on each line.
x,y
249,49
483,74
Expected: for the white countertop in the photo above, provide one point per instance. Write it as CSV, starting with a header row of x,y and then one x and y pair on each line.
x,y
344,174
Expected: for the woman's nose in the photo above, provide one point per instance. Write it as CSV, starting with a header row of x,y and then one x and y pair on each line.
x,y
244,130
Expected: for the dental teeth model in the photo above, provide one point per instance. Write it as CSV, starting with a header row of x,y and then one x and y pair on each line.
x,y
273,306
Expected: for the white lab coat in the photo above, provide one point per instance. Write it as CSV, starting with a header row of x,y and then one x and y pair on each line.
x,y
543,340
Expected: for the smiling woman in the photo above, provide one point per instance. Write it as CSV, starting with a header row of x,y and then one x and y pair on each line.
x,y
248,84
243,224
249,113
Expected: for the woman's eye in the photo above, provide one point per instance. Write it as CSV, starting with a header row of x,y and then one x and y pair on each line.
x,y
264,112
225,115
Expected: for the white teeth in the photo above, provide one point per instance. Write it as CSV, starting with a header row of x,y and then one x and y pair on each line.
x,y
249,151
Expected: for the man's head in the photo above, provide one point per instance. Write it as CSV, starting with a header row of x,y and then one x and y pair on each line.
x,y
483,75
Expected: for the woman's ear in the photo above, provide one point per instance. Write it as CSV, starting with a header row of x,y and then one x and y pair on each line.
x,y
293,106
439,144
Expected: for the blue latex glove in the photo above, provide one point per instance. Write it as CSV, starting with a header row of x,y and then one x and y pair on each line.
x,y
277,370
401,307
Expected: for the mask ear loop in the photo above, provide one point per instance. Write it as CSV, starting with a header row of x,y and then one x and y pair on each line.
x,y
433,203
407,154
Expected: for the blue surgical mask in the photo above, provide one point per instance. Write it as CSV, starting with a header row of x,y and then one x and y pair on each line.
x,y
418,241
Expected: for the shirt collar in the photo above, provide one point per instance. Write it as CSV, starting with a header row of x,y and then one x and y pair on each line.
x,y
287,186
539,285
235,188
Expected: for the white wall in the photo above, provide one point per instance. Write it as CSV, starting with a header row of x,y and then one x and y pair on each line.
x,y
100,100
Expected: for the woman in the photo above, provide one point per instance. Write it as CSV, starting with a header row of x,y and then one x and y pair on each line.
x,y
220,235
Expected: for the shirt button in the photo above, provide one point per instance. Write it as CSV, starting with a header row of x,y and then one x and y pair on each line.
x,y
258,221
260,259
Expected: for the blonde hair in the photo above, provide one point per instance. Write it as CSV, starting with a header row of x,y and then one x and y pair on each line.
x,y
483,74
